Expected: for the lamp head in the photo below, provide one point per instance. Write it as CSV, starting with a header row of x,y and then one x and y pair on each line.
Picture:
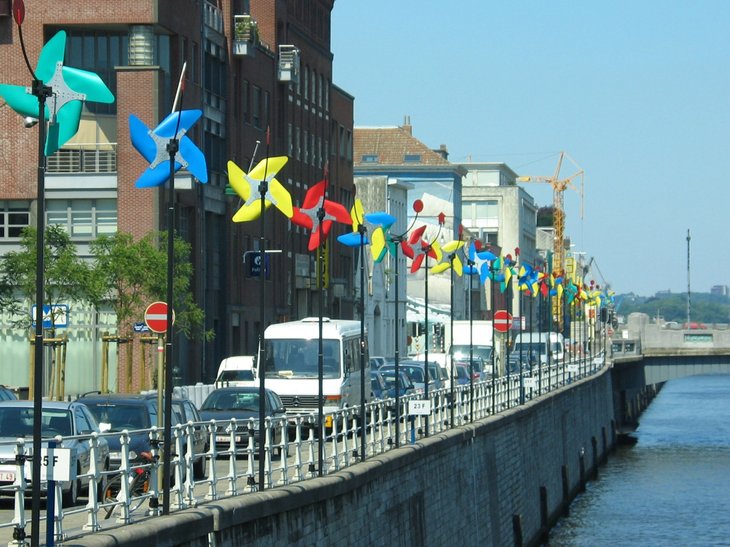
x,y
30,121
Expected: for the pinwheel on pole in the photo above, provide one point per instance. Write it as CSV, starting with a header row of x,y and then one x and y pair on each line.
x,y
56,97
358,238
424,250
454,265
317,214
168,149
383,241
271,192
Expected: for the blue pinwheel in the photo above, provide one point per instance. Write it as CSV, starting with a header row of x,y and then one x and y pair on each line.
x,y
153,147
69,87
479,262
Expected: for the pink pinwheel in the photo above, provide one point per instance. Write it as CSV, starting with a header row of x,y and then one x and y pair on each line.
x,y
307,215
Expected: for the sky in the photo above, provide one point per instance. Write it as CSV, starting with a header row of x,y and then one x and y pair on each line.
x,y
637,93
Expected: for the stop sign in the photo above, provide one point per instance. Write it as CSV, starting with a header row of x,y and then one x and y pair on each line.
x,y
155,316
502,320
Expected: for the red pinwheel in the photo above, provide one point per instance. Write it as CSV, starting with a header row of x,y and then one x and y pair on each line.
x,y
425,249
307,214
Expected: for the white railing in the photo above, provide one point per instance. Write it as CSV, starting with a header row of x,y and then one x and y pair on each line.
x,y
291,451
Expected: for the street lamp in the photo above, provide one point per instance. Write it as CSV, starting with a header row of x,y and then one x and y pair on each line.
x,y
50,79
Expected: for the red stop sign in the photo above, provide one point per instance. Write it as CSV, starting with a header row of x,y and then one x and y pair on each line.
x,y
502,320
155,316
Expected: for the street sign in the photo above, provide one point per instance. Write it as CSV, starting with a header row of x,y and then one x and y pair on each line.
x,y
53,316
140,326
55,465
155,317
502,320
419,407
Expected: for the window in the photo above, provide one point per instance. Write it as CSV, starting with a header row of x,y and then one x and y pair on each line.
x,y
256,106
412,158
83,218
14,217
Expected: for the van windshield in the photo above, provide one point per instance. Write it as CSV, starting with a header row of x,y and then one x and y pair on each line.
x,y
235,376
535,347
297,358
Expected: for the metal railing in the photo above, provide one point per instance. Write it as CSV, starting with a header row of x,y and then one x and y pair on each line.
x,y
290,450
84,158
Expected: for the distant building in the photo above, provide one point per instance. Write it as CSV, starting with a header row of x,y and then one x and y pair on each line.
x,y
720,290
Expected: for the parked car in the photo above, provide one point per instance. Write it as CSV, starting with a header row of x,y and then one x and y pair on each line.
x,y
68,419
241,403
377,384
462,375
406,384
7,394
376,362
416,372
137,413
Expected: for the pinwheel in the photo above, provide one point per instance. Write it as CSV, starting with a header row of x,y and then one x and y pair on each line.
x,y
358,236
480,262
68,88
454,261
276,194
308,215
422,249
153,147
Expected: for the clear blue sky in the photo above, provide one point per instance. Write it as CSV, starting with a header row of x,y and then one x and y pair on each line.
x,y
636,92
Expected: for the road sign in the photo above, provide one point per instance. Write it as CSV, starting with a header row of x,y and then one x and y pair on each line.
x,y
502,320
53,316
155,316
55,465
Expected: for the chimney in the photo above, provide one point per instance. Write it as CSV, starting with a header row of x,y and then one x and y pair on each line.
x,y
407,125
443,151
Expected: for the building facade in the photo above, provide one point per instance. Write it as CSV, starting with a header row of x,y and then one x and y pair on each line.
x,y
261,72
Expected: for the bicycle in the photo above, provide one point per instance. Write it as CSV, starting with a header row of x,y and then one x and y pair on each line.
x,y
139,484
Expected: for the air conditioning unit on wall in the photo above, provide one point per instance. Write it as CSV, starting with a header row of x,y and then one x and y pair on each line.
x,y
289,64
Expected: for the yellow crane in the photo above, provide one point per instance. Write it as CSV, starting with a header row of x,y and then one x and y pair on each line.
x,y
559,185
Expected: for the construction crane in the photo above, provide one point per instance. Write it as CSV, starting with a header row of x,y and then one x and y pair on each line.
x,y
559,185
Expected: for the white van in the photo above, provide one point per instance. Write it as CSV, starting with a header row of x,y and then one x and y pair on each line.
x,y
292,364
529,345
237,370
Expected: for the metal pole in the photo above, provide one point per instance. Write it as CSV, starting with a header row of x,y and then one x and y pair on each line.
x,y
689,297
42,92
425,367
471,353
263,188
320,356
172,148
451,343
361,229
397,352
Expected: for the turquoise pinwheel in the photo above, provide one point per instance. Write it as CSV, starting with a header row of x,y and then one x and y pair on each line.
x,y
152,144
69,87
480,263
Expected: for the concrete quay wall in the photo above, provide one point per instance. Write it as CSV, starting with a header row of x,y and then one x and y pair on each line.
x,y
500,481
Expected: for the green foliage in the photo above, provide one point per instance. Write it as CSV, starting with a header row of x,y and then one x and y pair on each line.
x,y
66,277
131,275
705,308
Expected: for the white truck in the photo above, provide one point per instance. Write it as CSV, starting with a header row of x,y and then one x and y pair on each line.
x,y
528,347
479,340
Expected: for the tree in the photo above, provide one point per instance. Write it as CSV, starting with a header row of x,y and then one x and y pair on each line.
x,y
67,278
129,275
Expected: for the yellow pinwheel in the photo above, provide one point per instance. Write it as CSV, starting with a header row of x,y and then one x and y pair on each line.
x,y
244,184
454,261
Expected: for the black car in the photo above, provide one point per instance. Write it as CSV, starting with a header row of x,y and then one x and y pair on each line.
x,y
137,413
241,403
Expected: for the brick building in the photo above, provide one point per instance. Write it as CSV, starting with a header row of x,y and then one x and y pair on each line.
x,y
251,65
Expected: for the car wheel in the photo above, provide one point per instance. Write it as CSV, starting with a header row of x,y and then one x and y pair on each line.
x,y
71,497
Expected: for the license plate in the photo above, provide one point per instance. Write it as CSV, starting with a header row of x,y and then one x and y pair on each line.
x,y
226,438
7,476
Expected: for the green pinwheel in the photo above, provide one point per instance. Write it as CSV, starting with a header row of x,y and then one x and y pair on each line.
x,y
69,88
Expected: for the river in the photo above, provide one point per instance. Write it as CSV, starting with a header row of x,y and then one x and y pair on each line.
x,y
673,486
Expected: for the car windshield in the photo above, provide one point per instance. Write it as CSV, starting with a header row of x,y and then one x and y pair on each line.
x,y
461,352
414,372
235,376
18,422
298,358
232,400
537,348
120,416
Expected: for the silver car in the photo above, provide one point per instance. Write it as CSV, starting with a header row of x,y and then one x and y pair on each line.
x,y
71,420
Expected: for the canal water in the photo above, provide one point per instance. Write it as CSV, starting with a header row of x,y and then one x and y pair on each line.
x,y
673,486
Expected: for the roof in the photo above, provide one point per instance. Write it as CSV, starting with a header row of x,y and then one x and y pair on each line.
x,y
393,146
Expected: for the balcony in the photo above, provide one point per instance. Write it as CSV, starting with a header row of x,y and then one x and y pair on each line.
x,y
84,158
245,35
288,64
